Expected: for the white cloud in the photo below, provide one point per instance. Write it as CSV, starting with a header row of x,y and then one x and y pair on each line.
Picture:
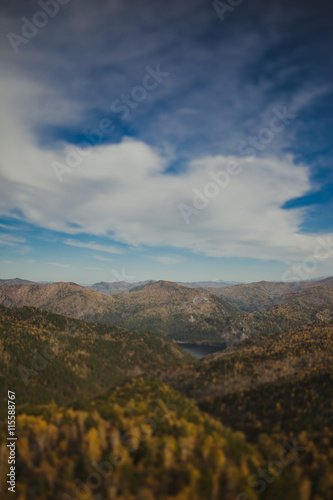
x,y
93,246
59,264
123,190
8,228
103,259
8,239
165,259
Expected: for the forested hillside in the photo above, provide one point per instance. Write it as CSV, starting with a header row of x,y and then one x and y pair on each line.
x,y
44,356
108,415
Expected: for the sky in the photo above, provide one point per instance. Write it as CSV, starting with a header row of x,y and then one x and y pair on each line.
x,y
182,141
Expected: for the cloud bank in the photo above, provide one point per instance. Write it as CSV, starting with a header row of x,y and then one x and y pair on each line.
x,y
224,82
125,191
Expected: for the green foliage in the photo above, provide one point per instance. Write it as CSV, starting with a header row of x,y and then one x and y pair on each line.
x,y
120,398
274,388
154,441
61,359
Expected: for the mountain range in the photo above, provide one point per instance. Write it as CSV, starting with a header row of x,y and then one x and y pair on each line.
x,y
114,288
259,296
163,307
99,375
130,415
219,315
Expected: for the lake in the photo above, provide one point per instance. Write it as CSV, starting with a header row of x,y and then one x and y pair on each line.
x,y
200,351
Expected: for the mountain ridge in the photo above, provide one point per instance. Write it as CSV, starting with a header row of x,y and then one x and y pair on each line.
x,y
258,296
163,307
183,313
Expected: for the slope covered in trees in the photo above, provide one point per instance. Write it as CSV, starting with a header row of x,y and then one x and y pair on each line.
x,y
44,356
145,441
274,388
258,424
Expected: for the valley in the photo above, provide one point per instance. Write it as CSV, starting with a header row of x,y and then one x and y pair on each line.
x,y
105,389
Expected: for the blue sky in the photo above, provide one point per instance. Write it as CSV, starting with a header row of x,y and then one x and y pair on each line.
x,y
154,140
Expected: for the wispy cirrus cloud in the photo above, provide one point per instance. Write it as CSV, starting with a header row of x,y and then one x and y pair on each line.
x,y
103,259
93,246
59,264
8,239
168,260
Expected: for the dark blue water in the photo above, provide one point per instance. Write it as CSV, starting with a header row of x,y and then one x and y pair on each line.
x,y
200,351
